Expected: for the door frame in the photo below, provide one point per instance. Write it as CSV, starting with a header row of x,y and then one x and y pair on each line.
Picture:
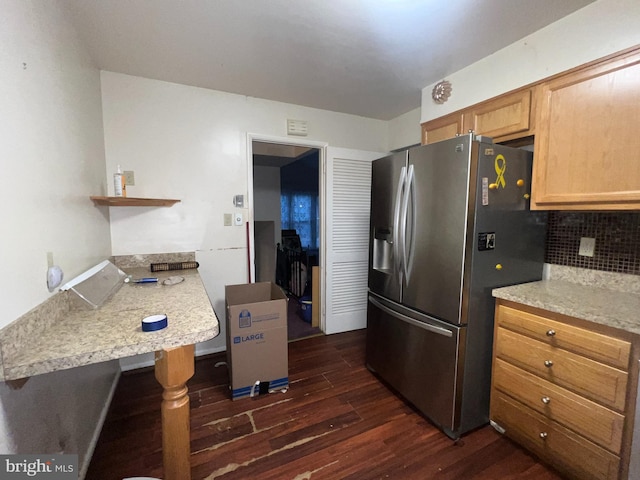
x,y
322,147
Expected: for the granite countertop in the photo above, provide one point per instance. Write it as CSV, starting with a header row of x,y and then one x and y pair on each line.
x,y
113,331
595,303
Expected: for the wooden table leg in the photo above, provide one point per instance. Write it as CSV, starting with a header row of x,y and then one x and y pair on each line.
x,y
174,366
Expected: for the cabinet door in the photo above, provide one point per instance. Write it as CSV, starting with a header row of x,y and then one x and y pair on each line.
x,y
587,142
502,117
442,128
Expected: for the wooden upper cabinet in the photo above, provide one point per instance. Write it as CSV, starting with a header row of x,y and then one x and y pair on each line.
x,y
587,144
586,123
503,118
442,128
507,115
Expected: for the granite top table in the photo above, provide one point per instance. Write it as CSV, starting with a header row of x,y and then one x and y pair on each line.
x,y
113,331
598,304
57,336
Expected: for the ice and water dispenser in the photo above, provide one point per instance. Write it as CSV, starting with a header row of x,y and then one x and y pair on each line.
x,y
382,248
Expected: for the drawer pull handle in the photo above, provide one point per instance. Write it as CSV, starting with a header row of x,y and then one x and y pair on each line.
x,y
548,363
551,333
546,400
543,435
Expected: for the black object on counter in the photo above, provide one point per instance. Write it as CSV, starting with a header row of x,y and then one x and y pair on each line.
x,y
163,267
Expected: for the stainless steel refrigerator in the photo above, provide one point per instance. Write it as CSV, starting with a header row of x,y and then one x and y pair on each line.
x,y
450,221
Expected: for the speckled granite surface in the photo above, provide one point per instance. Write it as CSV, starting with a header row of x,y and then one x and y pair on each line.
x,y
610,299
596,278
76,338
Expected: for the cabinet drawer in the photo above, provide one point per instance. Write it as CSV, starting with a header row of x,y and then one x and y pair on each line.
x,y
560,447
591,420
599,347
596,381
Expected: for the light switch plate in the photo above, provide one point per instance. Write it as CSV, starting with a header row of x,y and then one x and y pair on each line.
x,y
228,219
129,178
237,218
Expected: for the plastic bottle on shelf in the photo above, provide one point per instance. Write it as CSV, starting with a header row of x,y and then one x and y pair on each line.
x,y
119,186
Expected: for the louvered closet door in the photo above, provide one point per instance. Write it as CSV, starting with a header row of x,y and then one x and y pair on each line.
x,y
348,197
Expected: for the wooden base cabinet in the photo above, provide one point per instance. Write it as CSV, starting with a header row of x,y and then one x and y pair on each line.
x,y
564,390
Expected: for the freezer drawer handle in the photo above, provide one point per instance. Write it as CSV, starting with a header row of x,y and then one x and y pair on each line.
x,y
415,323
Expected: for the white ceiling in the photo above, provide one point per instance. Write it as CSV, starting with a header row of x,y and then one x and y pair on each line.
x,y
364,57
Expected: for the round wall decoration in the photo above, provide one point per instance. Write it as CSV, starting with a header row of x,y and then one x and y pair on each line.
x,y
441,92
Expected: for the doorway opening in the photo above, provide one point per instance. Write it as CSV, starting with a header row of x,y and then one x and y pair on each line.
x,y
287,245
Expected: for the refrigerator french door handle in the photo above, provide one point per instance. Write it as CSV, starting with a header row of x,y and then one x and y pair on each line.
x,y
396,223
411,321
410,187
414,218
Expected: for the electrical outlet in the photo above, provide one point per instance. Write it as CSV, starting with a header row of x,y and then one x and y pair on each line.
x,y
228,219
587,246
129,178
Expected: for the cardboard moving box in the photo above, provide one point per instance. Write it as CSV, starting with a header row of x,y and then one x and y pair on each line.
x,y
257,348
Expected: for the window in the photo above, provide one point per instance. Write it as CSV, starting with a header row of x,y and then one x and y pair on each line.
x,y
300,213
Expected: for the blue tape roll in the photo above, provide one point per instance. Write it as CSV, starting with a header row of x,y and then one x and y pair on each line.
x,y
154,322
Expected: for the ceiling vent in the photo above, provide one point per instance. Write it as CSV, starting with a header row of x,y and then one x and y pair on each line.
x,y
297,127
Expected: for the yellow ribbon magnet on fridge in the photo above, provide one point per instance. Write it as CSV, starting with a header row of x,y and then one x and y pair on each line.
x,y
500,165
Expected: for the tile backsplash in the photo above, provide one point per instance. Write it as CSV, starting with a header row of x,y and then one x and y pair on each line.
x,y
617,237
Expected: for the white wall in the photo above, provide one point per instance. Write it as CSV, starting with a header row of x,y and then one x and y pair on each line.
x,y
52,154
404,131
266,190
190,143
58,412
266,197
52,159
595,31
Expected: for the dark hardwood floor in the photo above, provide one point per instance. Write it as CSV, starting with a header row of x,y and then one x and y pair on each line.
x,y
297,327
337,421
